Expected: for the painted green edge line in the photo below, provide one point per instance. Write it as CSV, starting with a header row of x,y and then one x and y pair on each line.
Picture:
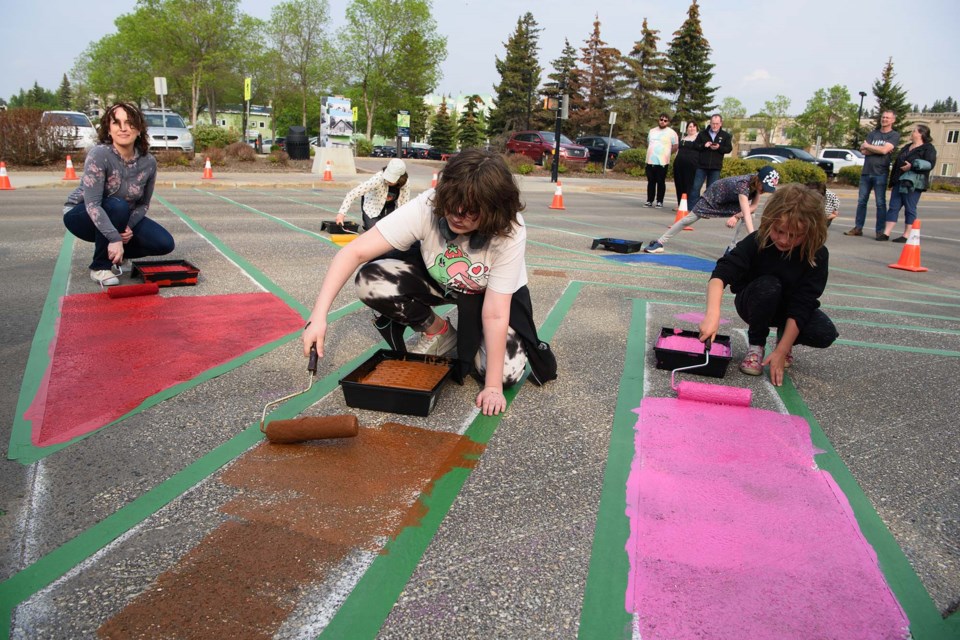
x,y
901,348
926,623
268,216
38,360
364,611
61,560
604,615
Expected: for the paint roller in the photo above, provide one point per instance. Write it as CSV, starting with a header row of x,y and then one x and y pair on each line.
x,y
129,290
308,428
710,393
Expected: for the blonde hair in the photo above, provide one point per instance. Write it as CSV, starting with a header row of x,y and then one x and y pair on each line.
x,y
801,210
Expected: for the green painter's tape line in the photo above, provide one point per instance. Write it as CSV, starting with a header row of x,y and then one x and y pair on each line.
x,y
64,558
899,347
926,622
366,608
38,361
268,216
604,615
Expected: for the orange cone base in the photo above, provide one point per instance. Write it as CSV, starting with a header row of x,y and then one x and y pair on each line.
x,y
906,268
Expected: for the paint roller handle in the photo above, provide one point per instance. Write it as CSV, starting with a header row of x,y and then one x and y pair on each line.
x,y
707,344
314,358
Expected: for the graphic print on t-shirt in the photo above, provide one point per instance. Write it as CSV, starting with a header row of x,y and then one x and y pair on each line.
x,y
454,270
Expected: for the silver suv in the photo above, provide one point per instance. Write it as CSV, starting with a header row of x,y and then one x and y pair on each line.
x,y
72,128
167,131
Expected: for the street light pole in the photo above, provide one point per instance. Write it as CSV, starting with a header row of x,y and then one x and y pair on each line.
x,y
856,131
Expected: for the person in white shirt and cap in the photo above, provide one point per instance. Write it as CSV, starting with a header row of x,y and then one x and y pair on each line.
x,y
380,195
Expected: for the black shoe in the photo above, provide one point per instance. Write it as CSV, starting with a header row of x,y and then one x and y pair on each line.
x,y
649,204
882,237
901,239
856,231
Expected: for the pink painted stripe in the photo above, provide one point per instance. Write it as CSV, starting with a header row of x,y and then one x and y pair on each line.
x,y
735,533
694,317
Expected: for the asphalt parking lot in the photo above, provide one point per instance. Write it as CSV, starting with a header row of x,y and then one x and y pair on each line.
x,y
175,519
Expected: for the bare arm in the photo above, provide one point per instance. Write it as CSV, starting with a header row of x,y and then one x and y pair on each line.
x,y
778,356
872,149
365,248
495,317
711,318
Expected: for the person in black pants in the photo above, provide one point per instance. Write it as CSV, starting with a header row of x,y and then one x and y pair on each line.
x,y
686,162
714,143
661,144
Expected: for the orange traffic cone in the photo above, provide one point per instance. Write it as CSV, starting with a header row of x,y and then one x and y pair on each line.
x,y
433,182
557,198
682,212
207,170
910,256
328,172
70,174
4,180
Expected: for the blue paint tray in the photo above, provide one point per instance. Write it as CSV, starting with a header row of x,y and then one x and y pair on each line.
x,y
618,245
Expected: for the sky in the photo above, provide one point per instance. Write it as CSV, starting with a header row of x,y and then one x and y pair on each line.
x,y
759,48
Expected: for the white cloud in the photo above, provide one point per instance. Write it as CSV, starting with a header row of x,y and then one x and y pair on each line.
x,y
757,75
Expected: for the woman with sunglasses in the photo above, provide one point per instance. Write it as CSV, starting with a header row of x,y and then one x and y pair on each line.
x,y
462,243
110,206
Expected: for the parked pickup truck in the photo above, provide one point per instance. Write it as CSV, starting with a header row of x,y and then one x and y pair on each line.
x,y
842,158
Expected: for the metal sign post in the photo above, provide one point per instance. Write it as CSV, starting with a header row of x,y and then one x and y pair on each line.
x,y
160,87
606,153
563,109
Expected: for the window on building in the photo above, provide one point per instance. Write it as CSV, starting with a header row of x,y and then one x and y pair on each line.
x,y
946,169
953,136
222,123
261,125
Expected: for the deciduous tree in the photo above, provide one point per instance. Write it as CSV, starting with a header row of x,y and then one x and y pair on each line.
x,y
772,118
830,114
298,30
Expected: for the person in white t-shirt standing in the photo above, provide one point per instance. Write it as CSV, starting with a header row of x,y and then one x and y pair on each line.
x,y
463,242
662,142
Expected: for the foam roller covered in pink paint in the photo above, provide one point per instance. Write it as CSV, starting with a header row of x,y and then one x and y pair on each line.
x,y
714,394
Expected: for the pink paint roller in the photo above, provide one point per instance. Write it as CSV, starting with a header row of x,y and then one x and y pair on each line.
x,y
711,393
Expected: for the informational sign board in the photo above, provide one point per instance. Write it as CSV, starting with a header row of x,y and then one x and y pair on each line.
x,y
336,122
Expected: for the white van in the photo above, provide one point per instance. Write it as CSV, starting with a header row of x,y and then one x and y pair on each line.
x,y
73,129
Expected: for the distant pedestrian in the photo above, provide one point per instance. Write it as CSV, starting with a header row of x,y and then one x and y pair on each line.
x,y
380,195
736,195
685,164
777,275
662,142
110,206
878,148
714,143
910,178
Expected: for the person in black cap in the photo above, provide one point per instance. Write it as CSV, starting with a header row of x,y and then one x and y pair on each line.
x,y
736,195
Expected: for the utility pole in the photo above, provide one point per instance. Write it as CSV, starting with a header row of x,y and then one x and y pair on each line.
x,y
562,110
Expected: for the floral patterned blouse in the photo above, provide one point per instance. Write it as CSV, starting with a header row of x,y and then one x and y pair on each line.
x,y
722,198
376,194
107,175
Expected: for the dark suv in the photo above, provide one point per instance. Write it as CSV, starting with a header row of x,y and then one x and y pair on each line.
x,y
597,148
539,147
792,153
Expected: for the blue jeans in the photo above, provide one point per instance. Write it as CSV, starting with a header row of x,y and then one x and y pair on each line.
x,y
708,175
149,238
906,201
879,186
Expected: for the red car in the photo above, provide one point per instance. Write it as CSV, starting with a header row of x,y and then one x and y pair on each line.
x,y
539,147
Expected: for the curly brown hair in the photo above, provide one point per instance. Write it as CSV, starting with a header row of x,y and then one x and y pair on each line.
x,y
801,210
478,181
134,118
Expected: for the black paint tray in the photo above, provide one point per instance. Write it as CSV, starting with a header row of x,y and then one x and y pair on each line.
x,y
392,399
672,359
167,273
331,226
618,245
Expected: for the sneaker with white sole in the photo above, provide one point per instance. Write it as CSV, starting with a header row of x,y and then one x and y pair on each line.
x,y
752,364
104,277
437,344
653,247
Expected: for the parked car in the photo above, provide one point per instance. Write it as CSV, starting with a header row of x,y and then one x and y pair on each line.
x,y
842,158
539,147
436,153
416,150
767,158
166,130
383,151
792,153
72,128
597,148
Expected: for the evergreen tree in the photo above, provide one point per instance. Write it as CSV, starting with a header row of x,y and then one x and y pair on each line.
x,y
472,128
519,77
644,72
689,70
892,97
443,135
942,106
597,80
64,94
563,67
419,119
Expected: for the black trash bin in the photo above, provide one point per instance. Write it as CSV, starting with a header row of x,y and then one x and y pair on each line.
x,y
298,147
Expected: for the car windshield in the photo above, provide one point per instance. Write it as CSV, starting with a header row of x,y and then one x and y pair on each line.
x,y
856,153
550,137
803,155
69,119
156,120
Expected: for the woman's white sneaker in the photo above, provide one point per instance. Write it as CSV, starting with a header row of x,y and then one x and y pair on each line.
x,y
104,277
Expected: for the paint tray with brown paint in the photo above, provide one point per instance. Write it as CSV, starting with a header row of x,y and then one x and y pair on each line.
x,y
331,226
669,358
167,273
396,382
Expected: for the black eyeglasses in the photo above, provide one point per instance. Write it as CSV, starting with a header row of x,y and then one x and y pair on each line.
x,y
664,120
462,215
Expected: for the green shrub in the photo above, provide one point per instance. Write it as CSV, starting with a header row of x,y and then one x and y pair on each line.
x,y
279,157
849,175
937,185
632,159
171,159
241,151
593,167
24,141
217,156
518,163
364,147
790,171
636,172
207,136
524,169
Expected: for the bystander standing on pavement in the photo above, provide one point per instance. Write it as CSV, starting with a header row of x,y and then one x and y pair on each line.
x,y
686,162
714,143
877,149
662,142
910,178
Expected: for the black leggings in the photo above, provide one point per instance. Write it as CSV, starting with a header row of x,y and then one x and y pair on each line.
x,y
762,305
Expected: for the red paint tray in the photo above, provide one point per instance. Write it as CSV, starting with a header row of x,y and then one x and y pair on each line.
x,y
392,399
167,273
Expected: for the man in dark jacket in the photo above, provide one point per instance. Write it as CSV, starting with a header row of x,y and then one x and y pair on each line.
x,y
714,143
